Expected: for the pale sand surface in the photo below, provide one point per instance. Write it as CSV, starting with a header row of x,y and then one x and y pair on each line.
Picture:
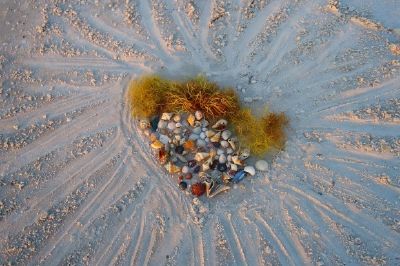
x,y
78,184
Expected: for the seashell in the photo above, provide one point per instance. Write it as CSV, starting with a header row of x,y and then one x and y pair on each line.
x,y
157,144
244,154
250,170
177,118
198,189
236,160
197,130
178,125
229,151
163,156
222,158
182,185
226,178
234,167
202,135
172,168
261,165
200,156
201,143
220,125
226,134
224,144
213,189
210,133
198,115
144,123
239,176
171,125
189,145
185,169
232,143
166,116
191,119
162,124
164,139
216,137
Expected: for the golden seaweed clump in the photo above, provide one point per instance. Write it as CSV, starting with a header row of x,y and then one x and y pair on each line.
x,y
203,95
260,134
146,95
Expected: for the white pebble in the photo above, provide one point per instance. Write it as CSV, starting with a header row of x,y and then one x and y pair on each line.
x,y
226,134
171,125
229,151
185,169
198,115
224,144
178,125
222,158
220,151
162,124
261,165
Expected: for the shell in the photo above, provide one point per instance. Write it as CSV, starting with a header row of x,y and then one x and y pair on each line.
x,y
213,189
216,137
191,119
261,165
157,144
198,115
163,156
250,170
144,123
236,160
177,118
210,133
232,143
226,134
172,168
198,189
244,154
220,125
166,116
178,125
201,156
189,145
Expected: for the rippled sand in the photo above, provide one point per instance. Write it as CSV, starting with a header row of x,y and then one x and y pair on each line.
x,y
78,185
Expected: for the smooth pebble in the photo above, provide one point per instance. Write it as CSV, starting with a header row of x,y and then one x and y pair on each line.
x,y
261,165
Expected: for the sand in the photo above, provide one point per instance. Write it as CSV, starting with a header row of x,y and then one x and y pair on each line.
x,y
78,184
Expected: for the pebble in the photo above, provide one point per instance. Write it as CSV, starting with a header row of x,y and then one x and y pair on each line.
x,y
162,124
183,185
224,144
226,134
222,158
171,125
164,139
261,165
229,151
177,118
179,149
194,137
188,176
222,167
197,130
201,143
220,151
202,135
198,115
185,169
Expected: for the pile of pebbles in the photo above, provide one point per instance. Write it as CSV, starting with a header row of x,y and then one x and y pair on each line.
x,y
205,158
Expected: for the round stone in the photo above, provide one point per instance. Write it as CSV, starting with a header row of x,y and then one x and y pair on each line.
x,y
198,115
185,169
171,125
179,149
197,130
188,176
222,167
222,158
261,165
162,124
224,144
201,143
182,185
202,135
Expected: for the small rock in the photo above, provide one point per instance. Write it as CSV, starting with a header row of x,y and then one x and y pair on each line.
x,y
171,125
183,185
164,139
166,116
202,135
224,144
222,158
261,165
198,115
222,167
226,134
194,137
220,151
248,99
179,149
201,143
185,169
197,130
177,118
